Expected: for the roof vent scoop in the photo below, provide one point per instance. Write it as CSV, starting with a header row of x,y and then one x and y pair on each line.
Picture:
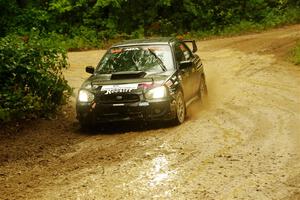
x,y
127,75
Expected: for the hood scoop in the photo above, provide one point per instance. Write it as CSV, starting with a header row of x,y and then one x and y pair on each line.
x,y
127,75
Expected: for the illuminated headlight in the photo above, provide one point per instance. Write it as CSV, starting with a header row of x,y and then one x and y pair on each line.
x,y
156,93
85,96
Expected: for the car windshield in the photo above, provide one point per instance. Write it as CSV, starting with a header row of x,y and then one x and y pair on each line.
x,y
147,58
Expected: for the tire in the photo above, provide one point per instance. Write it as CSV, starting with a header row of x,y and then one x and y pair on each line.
x,y
202,89
180,109
86,125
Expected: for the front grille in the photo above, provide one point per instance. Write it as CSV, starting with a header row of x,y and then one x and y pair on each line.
x,y
118,98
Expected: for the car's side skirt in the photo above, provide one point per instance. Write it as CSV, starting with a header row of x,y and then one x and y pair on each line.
x,y
189,102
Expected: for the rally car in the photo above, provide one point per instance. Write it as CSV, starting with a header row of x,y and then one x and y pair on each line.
x,y
144,79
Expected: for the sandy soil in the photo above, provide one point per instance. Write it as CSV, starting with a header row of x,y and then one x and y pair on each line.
x,y
243,143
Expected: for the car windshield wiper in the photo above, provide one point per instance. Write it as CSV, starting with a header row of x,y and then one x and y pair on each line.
x,y
163,67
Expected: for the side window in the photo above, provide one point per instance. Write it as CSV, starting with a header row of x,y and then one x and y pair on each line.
x,y
186,52
179,56
182,53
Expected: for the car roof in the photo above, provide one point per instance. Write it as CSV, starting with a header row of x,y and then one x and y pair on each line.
x,y
150,41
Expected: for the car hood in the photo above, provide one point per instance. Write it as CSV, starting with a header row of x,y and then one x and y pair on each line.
x,y
127,78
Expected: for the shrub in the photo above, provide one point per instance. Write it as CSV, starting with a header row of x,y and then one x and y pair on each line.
x,y
296,54
31,77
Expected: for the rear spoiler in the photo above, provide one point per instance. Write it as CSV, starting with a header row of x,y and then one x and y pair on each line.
x,y
193,43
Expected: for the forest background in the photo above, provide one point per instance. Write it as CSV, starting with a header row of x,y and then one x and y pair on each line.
x,y
36,34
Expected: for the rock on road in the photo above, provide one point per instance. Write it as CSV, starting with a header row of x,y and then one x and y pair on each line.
x,y
243,143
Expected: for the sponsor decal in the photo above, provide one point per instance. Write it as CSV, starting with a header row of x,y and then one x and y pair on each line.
x,y
116,50
132,49
144,104
124,88
118,104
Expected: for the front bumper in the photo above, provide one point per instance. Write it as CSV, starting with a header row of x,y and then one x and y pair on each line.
x,y
163,109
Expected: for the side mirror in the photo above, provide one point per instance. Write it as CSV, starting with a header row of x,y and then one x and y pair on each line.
x,y
185,64
90,69
195,48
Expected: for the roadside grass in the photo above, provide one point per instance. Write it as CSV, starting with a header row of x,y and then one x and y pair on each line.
x,y
296,54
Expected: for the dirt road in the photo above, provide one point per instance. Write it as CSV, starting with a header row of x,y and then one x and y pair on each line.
x,y
243,143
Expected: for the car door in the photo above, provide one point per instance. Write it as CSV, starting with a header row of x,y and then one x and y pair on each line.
x,y
195,72
184,73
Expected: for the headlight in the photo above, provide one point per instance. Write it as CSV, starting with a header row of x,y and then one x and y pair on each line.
x,y
156,93
85,96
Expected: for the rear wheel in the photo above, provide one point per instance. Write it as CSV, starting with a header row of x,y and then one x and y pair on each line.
x,y
180,109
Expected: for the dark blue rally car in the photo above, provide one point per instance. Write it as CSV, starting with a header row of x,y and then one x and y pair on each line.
x,y
147,79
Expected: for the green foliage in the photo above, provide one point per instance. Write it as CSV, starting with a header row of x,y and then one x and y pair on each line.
x,y
31,77
61,6
8,9
278,17
274,18
91,23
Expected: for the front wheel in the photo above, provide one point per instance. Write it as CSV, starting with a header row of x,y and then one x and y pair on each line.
x,y
180,109
86,124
